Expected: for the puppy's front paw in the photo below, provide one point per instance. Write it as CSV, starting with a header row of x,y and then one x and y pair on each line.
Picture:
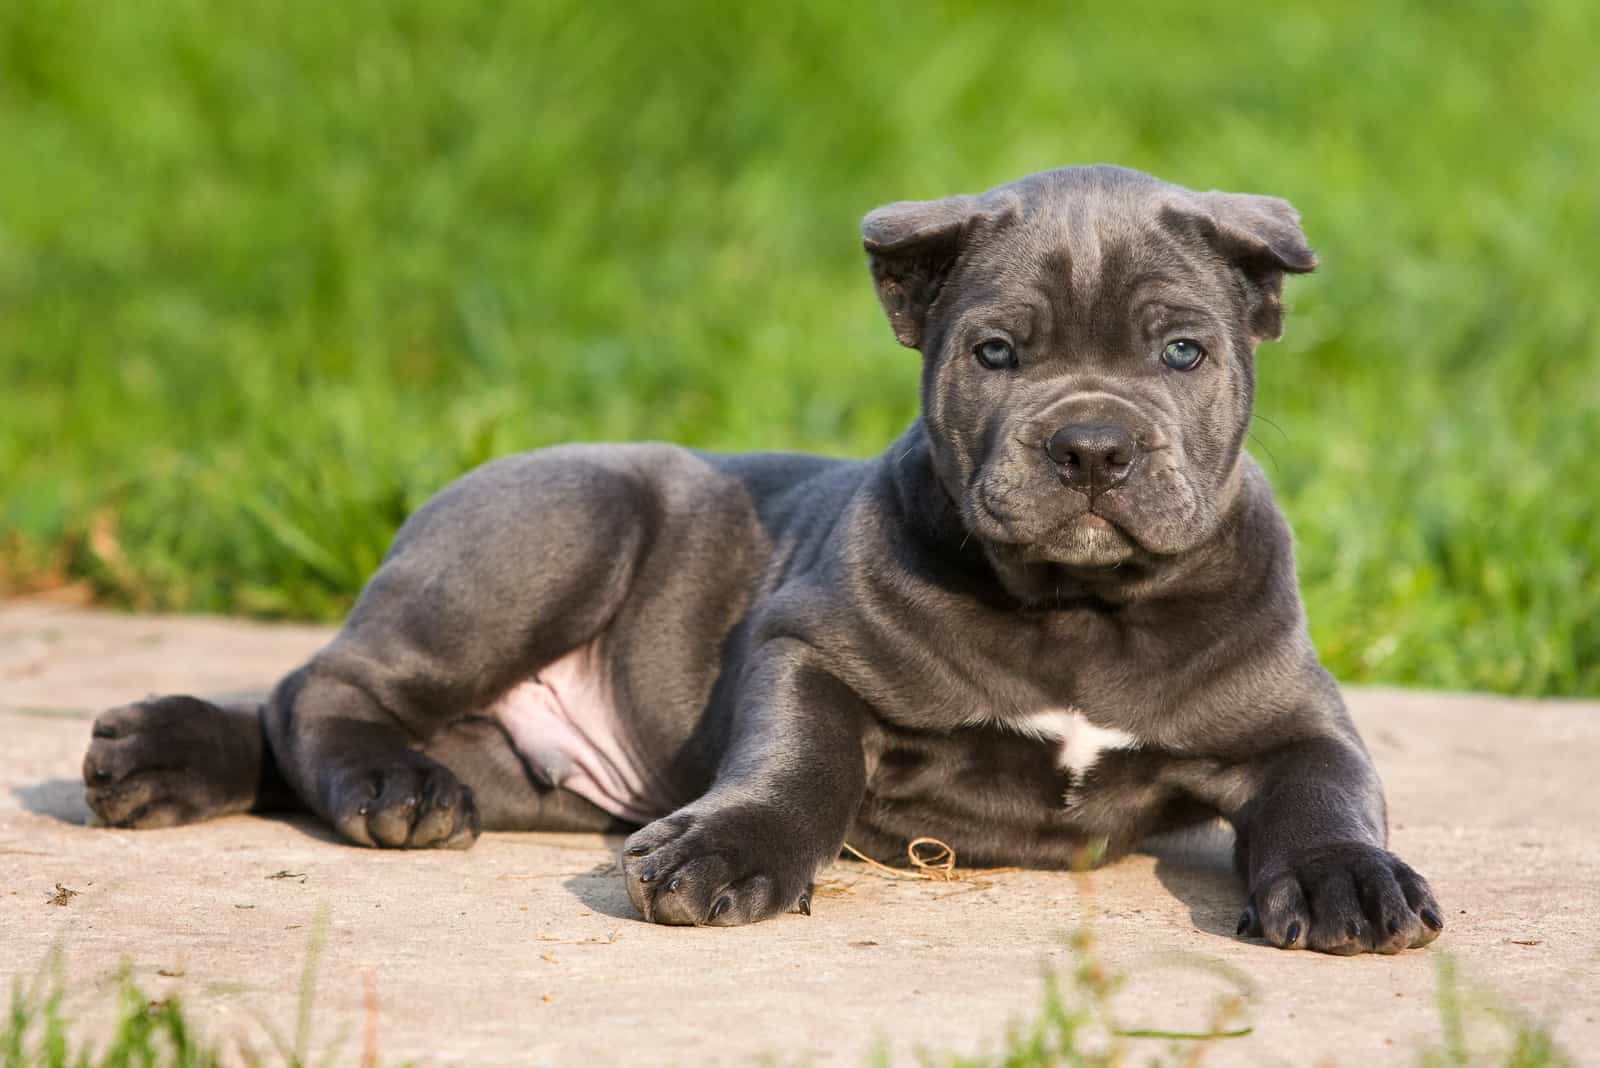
x,y
717,867
1345,899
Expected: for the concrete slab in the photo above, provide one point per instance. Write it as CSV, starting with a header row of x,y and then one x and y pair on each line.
x,y
524,950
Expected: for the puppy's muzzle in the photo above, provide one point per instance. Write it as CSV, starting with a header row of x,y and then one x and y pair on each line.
x,y
1092,457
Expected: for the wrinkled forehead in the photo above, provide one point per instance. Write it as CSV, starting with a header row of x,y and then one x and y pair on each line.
x,y
1095,250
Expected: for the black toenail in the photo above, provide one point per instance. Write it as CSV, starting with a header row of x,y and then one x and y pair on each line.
x,y
1432,919
637,851
1394,926
1293,932
677,881
1352,929
805,904
720,907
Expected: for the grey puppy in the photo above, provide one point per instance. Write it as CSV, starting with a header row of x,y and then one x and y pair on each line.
x,y
1058,615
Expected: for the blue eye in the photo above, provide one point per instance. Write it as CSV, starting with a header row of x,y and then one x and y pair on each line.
x,y
995,354
1183,354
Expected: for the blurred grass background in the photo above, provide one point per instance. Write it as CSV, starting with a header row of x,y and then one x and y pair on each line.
x,y
272,272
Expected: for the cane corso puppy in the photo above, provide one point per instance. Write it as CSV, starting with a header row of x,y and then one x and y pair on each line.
x,y
1056,616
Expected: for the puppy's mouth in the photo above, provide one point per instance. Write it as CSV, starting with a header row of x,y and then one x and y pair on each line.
x,y
1085,538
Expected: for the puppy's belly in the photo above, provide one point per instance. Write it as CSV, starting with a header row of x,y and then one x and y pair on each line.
x,y
565,724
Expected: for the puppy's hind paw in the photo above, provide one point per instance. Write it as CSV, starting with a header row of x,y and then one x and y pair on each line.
x,y
412,803
167,761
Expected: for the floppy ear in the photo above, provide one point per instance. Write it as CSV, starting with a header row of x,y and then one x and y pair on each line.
x,y
911,246
1262,236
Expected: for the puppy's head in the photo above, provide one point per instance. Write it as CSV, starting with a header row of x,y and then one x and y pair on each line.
x,y
1087,336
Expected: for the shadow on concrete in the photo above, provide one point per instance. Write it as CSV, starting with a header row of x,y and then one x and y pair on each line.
x,y
310,826
57,799
62,800
1196,867
603,889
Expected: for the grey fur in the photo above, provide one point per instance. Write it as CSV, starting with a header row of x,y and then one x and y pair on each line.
x,y
807,649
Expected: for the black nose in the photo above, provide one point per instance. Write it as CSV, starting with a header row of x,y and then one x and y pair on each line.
x,y
1092,456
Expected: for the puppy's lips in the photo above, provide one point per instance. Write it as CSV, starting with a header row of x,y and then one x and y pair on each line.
x,y
1088,539
998,526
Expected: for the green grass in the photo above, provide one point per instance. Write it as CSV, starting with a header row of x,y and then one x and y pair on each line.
x,y
151,1033
271,273
1077,1024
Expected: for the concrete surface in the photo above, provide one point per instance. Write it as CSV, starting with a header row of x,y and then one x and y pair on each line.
x,y
524,950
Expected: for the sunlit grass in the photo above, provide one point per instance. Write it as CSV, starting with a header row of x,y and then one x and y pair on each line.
x,y
1077,1023
159,1033
272,274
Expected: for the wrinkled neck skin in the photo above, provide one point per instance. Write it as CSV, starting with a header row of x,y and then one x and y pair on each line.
x,y
1219,567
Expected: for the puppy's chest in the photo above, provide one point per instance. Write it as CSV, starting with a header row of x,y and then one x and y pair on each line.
x,y
1038,760
1078,743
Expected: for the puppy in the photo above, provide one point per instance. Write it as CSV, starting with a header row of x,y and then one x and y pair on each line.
x,y
1057,615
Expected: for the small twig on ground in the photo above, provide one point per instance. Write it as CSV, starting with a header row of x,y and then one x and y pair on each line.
x,y
930,859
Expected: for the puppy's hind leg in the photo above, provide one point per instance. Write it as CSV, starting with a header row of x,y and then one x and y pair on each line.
x,y
503,572
166,761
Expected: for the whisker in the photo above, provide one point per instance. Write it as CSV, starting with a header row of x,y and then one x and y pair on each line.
x,y
1269,422
1264,448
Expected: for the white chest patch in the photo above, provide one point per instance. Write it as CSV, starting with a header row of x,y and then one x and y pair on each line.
x,y
1081,742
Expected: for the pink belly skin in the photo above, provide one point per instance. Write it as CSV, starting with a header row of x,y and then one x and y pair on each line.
x,y
564,722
